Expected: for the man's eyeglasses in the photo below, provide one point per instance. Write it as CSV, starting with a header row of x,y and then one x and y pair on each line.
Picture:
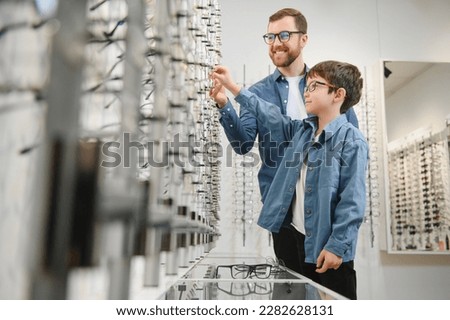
x,y
243,271
313,85
283,36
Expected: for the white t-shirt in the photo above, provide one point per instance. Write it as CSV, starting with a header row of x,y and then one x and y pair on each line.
x,y
298,205
295,106
298,214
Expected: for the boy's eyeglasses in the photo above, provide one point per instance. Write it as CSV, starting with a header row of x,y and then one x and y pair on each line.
x,y
283,36
243,271
313,85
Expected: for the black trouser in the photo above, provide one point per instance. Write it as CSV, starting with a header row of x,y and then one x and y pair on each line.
x,y
289,246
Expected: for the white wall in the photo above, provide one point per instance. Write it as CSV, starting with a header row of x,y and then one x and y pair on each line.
x,y
423,102
361,32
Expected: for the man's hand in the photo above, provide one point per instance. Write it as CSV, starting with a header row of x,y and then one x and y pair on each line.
x,y
222,75
327,260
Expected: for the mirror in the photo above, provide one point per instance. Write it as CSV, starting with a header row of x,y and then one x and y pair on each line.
x,y
417,95
417,110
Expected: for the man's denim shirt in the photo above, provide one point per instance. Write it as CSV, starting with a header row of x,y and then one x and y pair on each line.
x,y
242,130
335,185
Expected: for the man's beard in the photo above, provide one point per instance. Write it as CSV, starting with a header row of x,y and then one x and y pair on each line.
x,y
285,62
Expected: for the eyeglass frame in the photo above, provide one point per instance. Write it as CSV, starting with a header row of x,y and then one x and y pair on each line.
x,y
314,86
278,35
250,290
251,269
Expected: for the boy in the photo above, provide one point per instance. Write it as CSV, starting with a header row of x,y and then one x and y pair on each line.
x,y
322,175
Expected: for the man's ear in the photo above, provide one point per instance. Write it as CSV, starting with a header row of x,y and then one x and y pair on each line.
x,y
303,40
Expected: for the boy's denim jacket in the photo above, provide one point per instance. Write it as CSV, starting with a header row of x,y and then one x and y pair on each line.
x,y
335,188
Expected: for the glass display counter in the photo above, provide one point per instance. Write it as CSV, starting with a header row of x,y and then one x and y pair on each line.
x,y
244,278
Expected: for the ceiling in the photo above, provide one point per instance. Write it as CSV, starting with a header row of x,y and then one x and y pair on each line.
x,y
402,72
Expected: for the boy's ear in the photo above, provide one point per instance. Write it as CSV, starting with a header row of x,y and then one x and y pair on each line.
x,y
340,94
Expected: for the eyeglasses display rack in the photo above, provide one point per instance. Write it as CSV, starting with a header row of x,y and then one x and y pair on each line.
x,y
414,161
419,175
368,119
114,126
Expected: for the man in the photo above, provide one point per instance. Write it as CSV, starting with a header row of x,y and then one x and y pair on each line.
x,y
286,37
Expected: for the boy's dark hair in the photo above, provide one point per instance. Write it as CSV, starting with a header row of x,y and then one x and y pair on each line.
x,y
300,20
341,75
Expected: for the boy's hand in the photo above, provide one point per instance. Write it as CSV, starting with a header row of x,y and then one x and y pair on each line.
x,y
217,93
327,260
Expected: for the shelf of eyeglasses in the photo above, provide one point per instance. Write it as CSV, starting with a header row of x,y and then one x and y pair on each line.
x,y
224,267
179,224
428,151
418,251
420,243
